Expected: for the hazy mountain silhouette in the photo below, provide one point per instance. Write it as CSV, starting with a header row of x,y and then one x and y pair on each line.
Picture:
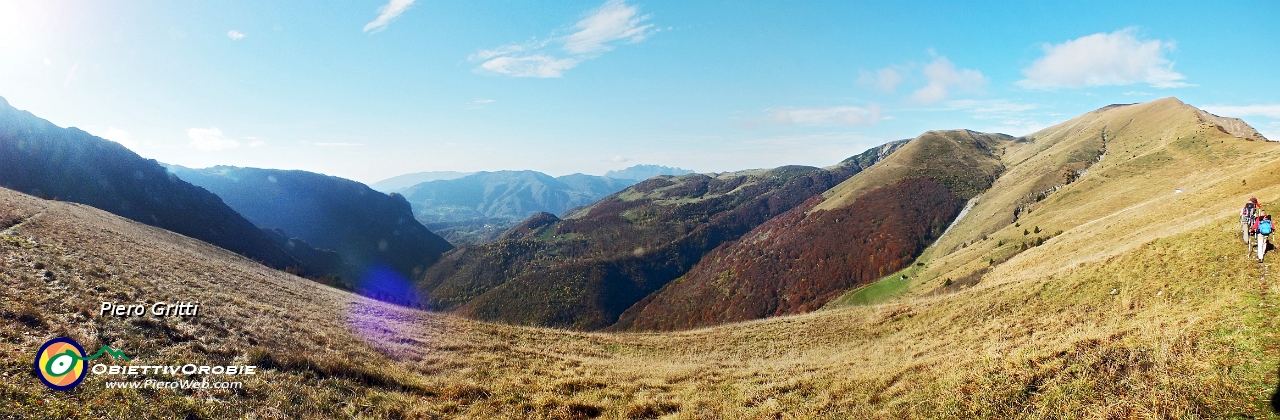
x,y
479,207
643,172
397,183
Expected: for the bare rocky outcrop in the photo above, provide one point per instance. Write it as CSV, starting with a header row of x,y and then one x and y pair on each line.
x,y
1232,126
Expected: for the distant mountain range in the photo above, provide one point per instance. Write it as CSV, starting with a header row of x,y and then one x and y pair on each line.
x,y
479,207
369,231
637,172
44,160
397,183
643,172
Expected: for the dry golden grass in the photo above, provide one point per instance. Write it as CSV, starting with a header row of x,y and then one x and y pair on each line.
x,y
1124,315
1188,334
960,159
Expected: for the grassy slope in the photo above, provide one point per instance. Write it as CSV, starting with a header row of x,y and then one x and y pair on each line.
x,y
960,159
879,291
1127,198
1187,333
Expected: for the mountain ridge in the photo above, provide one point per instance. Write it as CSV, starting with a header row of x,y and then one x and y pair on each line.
x,y
479,207
797,261
367,229
643,172
42,159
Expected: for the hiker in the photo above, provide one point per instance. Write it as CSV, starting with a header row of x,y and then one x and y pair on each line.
x,y
1247,216
1262,227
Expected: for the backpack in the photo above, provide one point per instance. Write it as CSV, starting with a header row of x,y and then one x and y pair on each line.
x,y
1248,209
1264,227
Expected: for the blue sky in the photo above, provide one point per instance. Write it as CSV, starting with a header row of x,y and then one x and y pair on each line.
x,y
372,89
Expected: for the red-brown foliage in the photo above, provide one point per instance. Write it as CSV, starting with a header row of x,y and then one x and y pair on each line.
x,y
584,272
797,261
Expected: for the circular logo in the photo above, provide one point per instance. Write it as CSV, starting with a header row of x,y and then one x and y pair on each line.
x,y
60,363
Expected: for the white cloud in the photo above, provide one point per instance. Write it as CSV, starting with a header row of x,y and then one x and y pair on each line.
x,y
235,35
1272,110
339,144
210,140
48,62
981,108
510,49
885,79
479,104
530,66
944,77
387,13
1016,127
1000,115
613,23
120,136
1102,59
619,159
838,115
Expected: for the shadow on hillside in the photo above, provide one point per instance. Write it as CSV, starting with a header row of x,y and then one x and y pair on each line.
x,y
1275,395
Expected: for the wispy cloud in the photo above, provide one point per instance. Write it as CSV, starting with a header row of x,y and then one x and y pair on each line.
x,y
386,14
339,144
838,115
210,140
1102,59
990,106
1001,115
613,23
1260,110
235,35
479,103
943,78
619,159
543,66
885,79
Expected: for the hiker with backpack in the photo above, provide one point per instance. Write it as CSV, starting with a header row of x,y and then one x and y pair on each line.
x,y
1247,216
1262,227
